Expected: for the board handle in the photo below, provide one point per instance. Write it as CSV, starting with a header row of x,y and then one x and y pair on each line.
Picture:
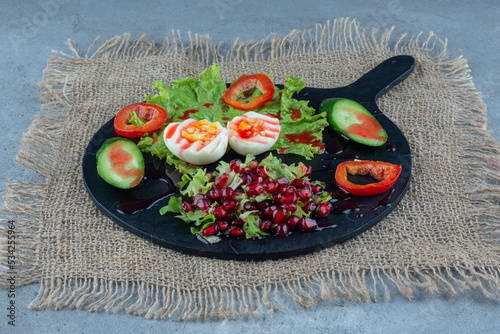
x,y
383,77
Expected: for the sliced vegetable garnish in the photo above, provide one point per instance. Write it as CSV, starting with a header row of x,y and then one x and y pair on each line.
x,y
138,119
120,163
386,174
253,133
196,142
351,119
245,83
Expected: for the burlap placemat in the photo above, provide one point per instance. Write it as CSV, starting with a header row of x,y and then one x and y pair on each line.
x,y
443,237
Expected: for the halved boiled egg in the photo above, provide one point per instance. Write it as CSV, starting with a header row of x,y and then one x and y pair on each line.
x,y
197,142
253,133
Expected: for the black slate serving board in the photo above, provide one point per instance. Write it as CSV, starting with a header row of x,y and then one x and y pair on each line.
x,y
354,215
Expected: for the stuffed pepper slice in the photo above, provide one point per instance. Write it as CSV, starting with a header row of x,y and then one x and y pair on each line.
x,y
384,174
196,142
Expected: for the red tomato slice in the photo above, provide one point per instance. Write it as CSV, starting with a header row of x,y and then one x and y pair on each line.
x,y
153,115
245,82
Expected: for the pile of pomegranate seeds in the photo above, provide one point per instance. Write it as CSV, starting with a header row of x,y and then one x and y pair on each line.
x,y
245,200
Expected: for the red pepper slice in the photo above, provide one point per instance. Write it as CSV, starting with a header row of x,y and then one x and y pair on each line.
x,y
385,172
245,82
154,116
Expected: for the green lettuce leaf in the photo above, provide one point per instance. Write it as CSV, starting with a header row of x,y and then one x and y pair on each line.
x,y
197,183
251,226
174,205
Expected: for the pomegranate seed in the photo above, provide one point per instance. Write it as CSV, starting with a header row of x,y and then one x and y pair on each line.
x,y
203,204
235,232
234,165
219,212
262,205
287,189
227,193
214,194
309,207
231,205
286,199
317,189
266,225
239,193
256,177
252,165
277,198
223,225
211,230
293,221
229,217
238,223
305,194
246,178
249,206
262,171
308,224
271,187
268,212
279,216
198,197
290,207
222,180
308,171
254,189
187,207
282,181
324,209
300,183
212,176
282,230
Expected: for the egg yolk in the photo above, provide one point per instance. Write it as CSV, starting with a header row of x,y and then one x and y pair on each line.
x,y
247,127
201,131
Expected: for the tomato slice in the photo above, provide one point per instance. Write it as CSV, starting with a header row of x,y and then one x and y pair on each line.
x,y
151,115
386,173
245,82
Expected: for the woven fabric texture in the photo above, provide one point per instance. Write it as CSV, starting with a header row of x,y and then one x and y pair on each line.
x,y
443,236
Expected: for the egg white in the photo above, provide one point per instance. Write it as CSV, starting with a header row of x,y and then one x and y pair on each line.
x,y
193,152
258,144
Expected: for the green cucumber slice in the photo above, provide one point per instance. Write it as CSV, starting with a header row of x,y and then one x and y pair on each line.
x,y
120,163
351,119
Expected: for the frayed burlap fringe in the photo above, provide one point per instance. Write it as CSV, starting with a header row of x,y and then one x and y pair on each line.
x,y
158,302
40,150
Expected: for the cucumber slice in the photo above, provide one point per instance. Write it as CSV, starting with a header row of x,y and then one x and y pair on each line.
x,y
120,163
351,119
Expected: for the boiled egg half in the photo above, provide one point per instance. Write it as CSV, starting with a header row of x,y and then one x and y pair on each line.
x,y
197,142
253,133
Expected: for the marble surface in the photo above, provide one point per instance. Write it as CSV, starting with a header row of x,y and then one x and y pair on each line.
x,y
31,30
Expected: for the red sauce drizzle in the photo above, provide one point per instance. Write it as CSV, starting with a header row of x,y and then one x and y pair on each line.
x,y
171,130
305,137
296,114
119,158
187,113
